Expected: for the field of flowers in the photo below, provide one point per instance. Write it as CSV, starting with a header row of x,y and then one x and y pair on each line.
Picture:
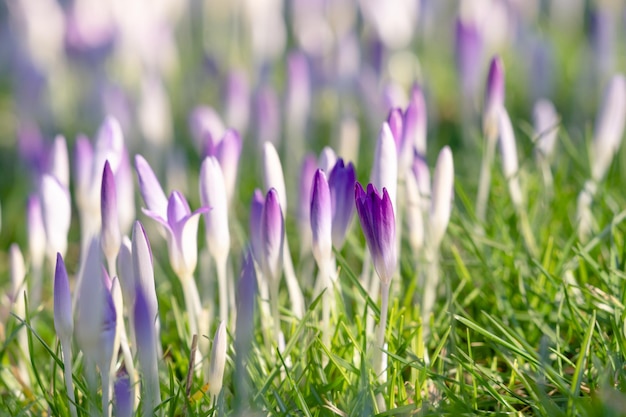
x,y
312,208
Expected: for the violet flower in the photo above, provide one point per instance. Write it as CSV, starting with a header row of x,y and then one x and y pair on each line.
x,y
378,222
546,128
110,236
494,97
237,101
267,111
379,227
64,325
153,196
307,171
57,213
341,183
204,124
227,151
385,169
146,353
256,214
414,125
469,56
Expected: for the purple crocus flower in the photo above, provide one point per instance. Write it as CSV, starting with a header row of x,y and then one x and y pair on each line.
x,y
272,236
267,111
469,56
494,97
341,183
63,318
123,395
227,151
150,188
321,219
307,171
256,214
237,101
395,122
414,123
181,225
379,227
110,237
205,124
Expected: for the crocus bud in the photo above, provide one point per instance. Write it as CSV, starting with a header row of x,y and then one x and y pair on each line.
x,y
59,161
154,112
204,121
18,275
57,213
298,89
228,153
395,122
83,157
609,127
256,216
321,219
237,101
341,183
469,55
422,175
415,123
150,188
142,268
123,395
494,97
508,149
414,213
213,195
441,202
218,360
378,222
307,171
273,174
125,271
272,235
91,305
110,237
267,111
147,352
385,169
546,125
246,300
36,231
63,318
327,159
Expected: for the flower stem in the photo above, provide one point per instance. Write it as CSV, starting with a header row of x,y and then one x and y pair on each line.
x,y
66,348
380,332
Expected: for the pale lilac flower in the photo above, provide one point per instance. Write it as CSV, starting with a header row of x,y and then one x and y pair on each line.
x,y
57,214
64,325
63,317
508,150
494,97
153,196
327,159
110,237
124,393
609,127
385,169
227,151
272,236
273,174
298,100
59,166
307,171
267,111
213,195
143,271
378,222
147,352
36,232
205,125
414,125
469,56
218,360
181,225
321,219
237,101
546,125
341,183
395,122
256,216
441,202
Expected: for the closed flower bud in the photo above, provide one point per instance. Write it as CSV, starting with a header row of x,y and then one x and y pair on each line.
x,y
441,202
218,360
110,237
341,183
385,169
57,214
494,97
272,235
63,318
213,195
378,222
273,174
321,219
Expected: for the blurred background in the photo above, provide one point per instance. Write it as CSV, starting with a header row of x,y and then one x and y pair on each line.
x,y
303,74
